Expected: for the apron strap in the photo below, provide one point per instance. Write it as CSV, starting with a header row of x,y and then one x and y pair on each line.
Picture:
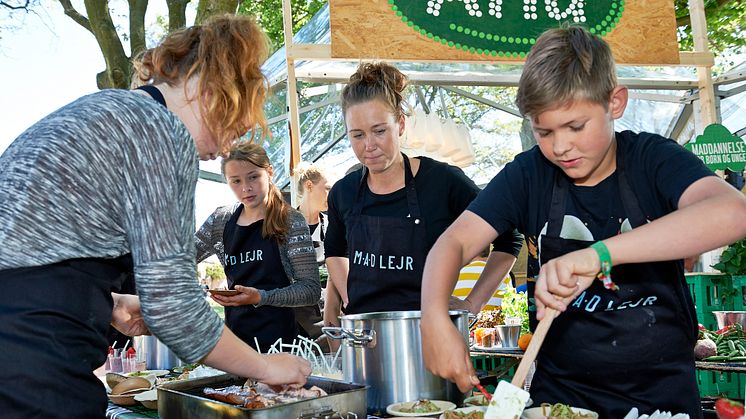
x,y
629,199
557,208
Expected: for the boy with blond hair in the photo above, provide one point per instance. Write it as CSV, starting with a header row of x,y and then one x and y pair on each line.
x,y
587,199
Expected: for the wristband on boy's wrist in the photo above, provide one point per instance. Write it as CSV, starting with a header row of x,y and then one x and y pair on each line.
x,y
605,258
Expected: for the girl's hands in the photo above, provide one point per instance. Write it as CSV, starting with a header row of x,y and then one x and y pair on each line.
x,y
248,295
564,278
282,368
126,316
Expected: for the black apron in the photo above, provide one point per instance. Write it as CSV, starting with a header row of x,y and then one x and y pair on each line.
x,y
53,325
387,255
253,261
614,350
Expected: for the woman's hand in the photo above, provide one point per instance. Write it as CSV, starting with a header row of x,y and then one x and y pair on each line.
x,y
564,278
248,295
445,352
126,316
282,368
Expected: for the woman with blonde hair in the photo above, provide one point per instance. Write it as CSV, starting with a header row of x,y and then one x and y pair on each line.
x,y
119,170
265,249
312,186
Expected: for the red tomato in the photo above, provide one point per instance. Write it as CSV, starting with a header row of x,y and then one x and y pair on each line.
x,y
728,409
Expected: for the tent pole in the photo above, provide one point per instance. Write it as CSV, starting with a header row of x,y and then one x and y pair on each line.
x,y
292,94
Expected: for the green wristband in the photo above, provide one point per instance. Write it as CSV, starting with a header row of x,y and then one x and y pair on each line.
x,y
604,256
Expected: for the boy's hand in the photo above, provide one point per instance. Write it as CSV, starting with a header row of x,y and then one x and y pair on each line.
x,y
248,295
445,352
564,278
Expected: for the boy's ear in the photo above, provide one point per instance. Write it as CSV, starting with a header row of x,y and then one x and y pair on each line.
x,y
618,101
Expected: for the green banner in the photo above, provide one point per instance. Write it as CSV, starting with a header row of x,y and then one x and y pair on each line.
x,y
502,28
719,149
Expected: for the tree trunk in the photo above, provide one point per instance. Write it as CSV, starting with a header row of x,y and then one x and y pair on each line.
x,y
176,14
207,8
137,26
118,67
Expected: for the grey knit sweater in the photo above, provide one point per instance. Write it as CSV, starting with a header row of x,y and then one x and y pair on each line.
x,y
297,255
111,174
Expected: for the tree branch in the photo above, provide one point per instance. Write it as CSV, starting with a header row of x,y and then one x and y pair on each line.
x,y
137,26
11,7
117,64
74,15
176,14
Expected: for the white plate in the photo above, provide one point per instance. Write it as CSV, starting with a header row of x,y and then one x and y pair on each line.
x,y
538,412
466,410
143,373
395,408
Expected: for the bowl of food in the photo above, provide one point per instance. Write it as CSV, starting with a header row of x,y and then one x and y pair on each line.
x,y
422,407
478,400
729,318
558,410
473,412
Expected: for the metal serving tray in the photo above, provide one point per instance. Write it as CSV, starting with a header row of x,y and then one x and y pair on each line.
x,y
186,400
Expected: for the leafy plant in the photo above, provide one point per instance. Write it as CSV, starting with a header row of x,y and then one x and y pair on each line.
x,y
733,259
515,304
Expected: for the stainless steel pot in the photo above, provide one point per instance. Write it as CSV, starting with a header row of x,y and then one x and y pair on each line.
x,y
158,356
384,350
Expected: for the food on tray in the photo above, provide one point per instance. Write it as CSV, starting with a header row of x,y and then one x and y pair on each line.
x,y
489,318
421,406
260,396
484,337
563,411
454,414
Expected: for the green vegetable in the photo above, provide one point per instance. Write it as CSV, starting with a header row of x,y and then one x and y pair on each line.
x,y
515,304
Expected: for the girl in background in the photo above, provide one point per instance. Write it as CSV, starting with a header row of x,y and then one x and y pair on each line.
x,y
265,249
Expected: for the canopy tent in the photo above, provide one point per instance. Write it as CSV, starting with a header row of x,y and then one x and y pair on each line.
x,y
663,99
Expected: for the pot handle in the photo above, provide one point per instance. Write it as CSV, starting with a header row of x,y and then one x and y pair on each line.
x,y
364,337
335,333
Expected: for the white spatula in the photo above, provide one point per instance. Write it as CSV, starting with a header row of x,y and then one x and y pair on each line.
x,y
510,399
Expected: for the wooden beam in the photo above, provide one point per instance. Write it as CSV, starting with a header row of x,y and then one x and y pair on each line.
x,y
704,72
309,51
694,59
292,90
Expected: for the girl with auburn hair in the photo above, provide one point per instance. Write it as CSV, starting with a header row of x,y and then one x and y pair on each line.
x,y
223,60
119,168
266,251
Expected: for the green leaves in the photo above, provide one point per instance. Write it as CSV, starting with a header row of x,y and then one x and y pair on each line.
x,y
733,259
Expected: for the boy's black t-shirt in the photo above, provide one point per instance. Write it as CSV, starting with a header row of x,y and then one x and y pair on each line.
x,y
658,169
443,192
